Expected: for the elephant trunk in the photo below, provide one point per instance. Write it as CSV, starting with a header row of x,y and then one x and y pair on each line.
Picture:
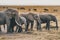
x,y
39,24
56,24
17,20
17,23
55,20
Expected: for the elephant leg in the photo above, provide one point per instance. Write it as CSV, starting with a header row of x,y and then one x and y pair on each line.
x,y
56,25
4,26
12,29
20,29
48,25
8,29
0,27
32,23
8,25
17,28
26,28
39,26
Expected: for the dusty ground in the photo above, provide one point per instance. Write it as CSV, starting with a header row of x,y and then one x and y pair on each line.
x,y
53,34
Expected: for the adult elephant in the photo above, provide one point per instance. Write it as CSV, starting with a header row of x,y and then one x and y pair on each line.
x,y
4,19
30,17
16,20
46,18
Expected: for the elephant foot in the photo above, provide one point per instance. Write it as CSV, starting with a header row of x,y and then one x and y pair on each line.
x,y
39,29
56,28
20,30
48,28
10,32
26,32
31,29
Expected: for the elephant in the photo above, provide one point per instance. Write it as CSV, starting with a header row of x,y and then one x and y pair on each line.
x,y
21,21
46,18
4,19
30,17
14,17
16,20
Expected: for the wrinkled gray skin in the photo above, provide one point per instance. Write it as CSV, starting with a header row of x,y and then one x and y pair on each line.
x,y
30,17
4,19
47,18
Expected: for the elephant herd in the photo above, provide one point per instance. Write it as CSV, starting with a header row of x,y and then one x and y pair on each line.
x,y
12,18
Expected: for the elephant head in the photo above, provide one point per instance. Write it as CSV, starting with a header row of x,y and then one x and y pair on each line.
x,y
13,13
54,19
14,19
37,18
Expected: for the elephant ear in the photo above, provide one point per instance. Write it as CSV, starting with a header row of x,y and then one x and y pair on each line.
x,y
36,16
8,11
30,17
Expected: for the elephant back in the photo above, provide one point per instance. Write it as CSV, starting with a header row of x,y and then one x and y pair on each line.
x,y
45,18
28,16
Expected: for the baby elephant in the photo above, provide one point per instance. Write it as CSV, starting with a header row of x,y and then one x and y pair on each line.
x,y
20,22
46,18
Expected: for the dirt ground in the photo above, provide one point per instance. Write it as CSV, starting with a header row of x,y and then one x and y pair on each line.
x,y
52,34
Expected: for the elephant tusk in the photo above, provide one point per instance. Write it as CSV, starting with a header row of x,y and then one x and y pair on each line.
x,y
17,23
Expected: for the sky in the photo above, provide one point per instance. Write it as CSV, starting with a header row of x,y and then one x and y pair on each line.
x,y
30,2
